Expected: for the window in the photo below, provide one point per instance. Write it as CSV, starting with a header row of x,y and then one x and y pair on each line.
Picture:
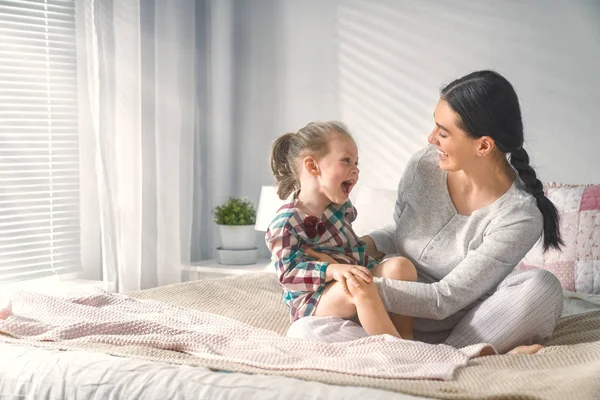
x,y
39,143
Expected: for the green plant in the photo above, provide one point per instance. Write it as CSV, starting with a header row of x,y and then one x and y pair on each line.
x,y
235,212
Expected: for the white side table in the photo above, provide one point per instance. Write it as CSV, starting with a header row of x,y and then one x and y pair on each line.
x,y
209,269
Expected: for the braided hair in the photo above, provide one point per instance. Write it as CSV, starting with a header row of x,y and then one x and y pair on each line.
x,y
488,106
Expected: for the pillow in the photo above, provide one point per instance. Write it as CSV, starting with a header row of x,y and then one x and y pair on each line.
x,y
578,265
375,209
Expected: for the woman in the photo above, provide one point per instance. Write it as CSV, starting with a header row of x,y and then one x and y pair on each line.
x,y
465,216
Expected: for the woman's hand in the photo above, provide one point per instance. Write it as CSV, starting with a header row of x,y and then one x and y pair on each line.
x,y
344,272
372,249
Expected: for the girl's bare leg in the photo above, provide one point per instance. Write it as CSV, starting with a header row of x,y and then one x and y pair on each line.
x,y
363,301
398,268
370,310
334,302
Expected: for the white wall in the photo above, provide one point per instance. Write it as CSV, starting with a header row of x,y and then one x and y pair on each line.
x,y
378,65
285,76
395,55
272,69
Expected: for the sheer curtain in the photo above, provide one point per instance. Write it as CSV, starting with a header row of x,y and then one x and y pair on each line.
x,y
140,97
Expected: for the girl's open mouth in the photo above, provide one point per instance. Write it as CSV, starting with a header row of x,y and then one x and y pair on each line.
x,y
347,186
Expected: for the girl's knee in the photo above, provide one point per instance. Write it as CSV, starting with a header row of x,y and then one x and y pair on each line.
x,y
362,290
335,302
399,268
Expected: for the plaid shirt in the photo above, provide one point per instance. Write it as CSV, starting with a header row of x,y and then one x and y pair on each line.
x,y
303,277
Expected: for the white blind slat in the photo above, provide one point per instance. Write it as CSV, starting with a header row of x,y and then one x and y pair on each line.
x,y
39,245
16,240
39,146
37,211
35,217
18,258
42,270
17,7
49,230
36,174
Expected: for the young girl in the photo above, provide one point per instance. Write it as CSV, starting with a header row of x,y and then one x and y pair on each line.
x,y
311,238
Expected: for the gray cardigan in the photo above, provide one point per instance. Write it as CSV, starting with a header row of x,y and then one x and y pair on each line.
x,y
459,259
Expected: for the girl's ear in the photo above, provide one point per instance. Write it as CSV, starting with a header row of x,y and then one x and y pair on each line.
x,y
311,166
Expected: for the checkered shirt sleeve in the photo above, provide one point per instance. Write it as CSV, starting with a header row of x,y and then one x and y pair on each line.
x,y
296,273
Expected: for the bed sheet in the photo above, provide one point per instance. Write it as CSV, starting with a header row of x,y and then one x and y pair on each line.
x,y
40,374
578,303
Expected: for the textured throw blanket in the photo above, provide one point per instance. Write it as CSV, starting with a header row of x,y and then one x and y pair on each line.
x,y
118,319
567,368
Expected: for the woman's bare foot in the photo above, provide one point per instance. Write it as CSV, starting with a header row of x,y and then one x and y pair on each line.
x,y
531,349
5,313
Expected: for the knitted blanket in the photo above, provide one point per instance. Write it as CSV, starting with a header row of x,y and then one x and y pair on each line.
x,y
120,320
250,311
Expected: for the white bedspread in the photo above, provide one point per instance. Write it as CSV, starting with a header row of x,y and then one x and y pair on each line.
x,y
567,368
30,373
119,319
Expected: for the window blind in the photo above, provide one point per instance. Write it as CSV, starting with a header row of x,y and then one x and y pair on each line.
x,y
39,150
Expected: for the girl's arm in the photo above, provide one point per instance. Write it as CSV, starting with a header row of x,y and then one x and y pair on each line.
x,y
320,256
294,271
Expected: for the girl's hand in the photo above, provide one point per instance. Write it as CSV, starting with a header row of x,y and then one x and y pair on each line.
x,y
319,256
342,272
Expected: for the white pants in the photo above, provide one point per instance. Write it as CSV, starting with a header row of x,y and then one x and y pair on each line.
x,y
523,310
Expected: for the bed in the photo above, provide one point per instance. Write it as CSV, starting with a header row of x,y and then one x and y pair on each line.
x,y
568,367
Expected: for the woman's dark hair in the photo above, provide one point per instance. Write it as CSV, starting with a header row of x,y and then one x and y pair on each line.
x,y
488,106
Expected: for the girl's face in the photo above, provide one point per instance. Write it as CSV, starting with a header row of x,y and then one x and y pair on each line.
x,y
457,150
339,169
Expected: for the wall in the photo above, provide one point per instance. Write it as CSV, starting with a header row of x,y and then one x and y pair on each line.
x,y
395,55
272,68
378,65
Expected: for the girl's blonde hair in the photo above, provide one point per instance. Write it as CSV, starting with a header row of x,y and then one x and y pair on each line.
x,y
289,148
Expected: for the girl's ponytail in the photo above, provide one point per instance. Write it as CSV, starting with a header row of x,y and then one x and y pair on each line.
x,y
280,166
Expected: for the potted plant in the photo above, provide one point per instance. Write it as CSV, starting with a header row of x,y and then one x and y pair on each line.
x,y
235,220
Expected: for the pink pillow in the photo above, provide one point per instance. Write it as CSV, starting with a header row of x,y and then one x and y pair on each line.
x,y
578,265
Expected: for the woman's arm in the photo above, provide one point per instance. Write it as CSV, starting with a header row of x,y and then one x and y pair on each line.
x,y
371,248
504,245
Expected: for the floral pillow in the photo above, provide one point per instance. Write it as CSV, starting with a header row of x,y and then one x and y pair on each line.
x,y
578,265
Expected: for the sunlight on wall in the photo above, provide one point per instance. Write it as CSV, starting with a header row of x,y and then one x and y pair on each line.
x,y
385,101
395,55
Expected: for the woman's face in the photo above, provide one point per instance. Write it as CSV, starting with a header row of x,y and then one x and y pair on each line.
x,y
457,150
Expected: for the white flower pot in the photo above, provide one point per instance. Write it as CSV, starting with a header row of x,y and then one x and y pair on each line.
x,y
234,237
237,257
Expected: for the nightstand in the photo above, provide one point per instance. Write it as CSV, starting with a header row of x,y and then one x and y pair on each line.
x,y
210,269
